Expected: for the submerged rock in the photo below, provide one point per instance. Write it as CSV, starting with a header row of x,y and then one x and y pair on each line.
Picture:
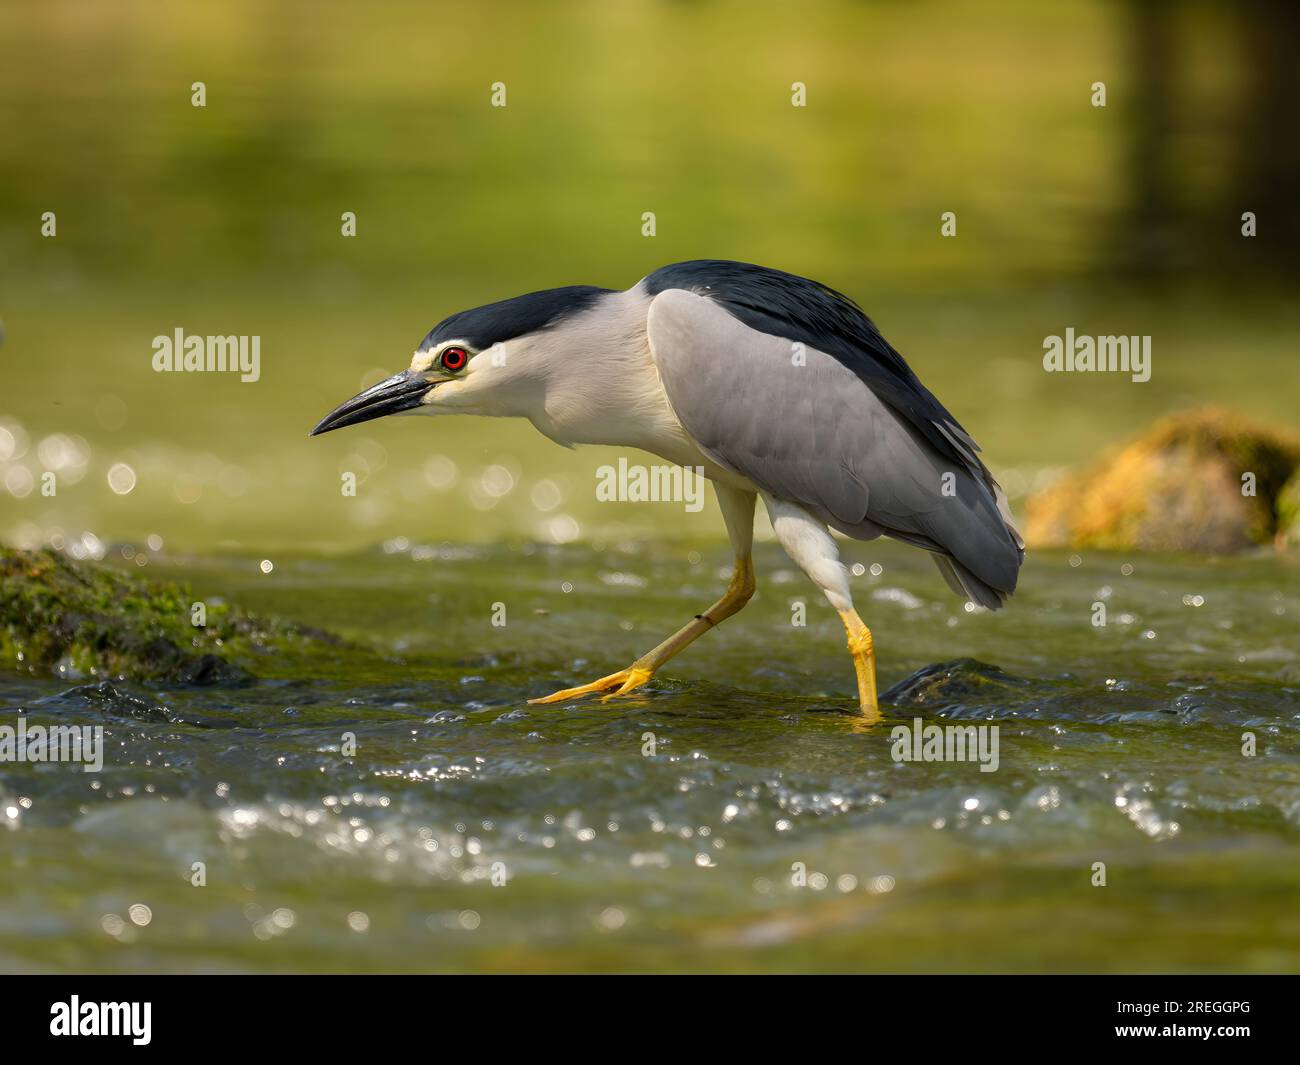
x,y
946,683
107,699
1203,480
89,619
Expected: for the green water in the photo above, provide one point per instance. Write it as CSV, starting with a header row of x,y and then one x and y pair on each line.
x,y
769,830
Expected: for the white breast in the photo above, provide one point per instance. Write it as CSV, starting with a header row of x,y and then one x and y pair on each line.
x,y
602,386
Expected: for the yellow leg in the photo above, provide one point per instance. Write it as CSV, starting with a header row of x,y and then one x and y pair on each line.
x,y
864,663
738,593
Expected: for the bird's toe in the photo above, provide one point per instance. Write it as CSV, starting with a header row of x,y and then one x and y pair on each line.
x,y
633,679
625,680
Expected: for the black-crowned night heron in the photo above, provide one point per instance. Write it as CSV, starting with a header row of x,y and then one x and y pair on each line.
x,y
775,385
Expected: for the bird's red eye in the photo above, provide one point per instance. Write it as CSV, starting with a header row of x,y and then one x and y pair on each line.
x,y
454,359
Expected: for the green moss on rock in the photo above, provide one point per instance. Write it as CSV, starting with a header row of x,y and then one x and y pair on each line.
x,y
1288,514
93,620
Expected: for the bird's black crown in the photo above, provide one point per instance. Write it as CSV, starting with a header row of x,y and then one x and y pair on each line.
x,y
496,322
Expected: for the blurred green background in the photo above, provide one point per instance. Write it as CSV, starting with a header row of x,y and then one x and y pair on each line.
x,y
225,219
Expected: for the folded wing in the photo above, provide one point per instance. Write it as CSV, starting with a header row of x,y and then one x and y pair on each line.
x,y
807,426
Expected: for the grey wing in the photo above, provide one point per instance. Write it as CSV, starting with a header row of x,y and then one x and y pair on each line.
x,y
805,428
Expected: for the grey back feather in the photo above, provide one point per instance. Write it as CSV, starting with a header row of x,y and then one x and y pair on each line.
x,y
806,428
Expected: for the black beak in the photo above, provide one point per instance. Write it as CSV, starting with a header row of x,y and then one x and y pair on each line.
x,y
401,392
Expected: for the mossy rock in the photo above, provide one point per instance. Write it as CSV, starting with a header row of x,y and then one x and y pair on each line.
x,y
1184,485
1288,514
89,619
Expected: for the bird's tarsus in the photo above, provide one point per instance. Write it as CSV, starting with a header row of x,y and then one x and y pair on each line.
x,y
862,648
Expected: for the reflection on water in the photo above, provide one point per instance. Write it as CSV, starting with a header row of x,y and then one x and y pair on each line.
x,y
408,810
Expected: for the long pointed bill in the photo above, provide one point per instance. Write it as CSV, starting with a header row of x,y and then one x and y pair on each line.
x,y
401,392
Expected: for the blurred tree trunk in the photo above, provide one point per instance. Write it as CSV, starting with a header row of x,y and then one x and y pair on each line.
x,y
1154,213
1164,229
1266,156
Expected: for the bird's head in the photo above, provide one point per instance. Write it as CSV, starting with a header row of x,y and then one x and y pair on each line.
x,y
492,360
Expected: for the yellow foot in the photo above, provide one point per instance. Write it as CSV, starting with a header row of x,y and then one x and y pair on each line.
x,y
625,680
864,665
863,650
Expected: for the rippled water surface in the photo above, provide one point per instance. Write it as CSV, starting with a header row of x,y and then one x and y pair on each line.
x,y
734,815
